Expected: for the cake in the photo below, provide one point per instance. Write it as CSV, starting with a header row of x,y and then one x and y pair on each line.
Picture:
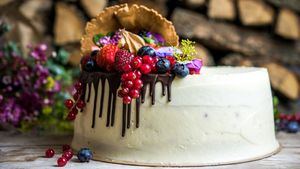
x,y
169,114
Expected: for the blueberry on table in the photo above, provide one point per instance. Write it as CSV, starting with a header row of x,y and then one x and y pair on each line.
x,y
293,127
84,155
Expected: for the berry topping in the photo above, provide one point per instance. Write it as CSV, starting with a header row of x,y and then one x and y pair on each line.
x,y
181,70
127,84
80,104
69,103
85,155
137,84
71,116
136,62
138,74
147,60
122,60
131,76
49,153
89,65
146,50
163,65
134,93
123,92
94,53
78,86
172,60
145,68
76,96
106,57
127,99
66,147
62,161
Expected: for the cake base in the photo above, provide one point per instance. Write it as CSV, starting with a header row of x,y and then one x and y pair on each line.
x,y
224,116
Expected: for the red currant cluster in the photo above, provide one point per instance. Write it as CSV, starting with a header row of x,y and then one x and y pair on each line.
x,y
79,104
66,156
131,82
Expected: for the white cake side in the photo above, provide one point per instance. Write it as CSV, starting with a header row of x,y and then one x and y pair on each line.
x,y
224,115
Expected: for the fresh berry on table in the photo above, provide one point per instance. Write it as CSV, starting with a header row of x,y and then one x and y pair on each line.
x,y
49,153
84,155
61,161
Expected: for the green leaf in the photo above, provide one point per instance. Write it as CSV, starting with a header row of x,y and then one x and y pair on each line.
x,y
148,40
110,34
96,38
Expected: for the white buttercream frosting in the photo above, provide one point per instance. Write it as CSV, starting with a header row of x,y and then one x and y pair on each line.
x,y
223,115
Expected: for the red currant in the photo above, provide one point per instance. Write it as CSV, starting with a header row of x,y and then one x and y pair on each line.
x,y
125,77
69,103
138,74
136,62
80,104
74,110
131,76
68,155
66,147
147,60
49,153
127,99
137,84
76,96
62,161
134,93
153,68
282,116
78,86
127,68
127,84
145,69
289,117
71,116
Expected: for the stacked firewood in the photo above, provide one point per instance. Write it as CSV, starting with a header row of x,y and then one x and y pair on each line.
x,y
263,33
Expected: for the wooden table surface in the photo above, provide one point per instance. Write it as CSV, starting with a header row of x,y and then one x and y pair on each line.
x,y
19,151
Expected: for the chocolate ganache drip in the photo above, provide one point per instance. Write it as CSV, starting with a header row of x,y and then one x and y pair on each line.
x,y
114,81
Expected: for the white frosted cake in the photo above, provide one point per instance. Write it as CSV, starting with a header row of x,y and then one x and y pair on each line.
x,y
143,100
223,116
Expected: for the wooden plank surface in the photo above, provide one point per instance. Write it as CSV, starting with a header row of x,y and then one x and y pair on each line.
x,y
19,151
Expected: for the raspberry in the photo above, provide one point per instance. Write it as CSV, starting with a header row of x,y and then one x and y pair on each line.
x,y
106,57
123,58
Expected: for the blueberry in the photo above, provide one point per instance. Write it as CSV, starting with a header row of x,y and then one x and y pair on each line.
x,y
293,127
181,70
146,50
84,155
94,53
163,65
89,65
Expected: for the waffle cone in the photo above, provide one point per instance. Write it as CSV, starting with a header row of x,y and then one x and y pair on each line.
x,y
132,18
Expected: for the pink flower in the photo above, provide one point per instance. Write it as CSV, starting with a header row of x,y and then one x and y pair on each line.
x,y
195,66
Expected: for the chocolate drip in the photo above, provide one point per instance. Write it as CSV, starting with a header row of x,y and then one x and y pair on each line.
x,y
102,96
114,81
137,111
96,84
89,91
128,115
124,120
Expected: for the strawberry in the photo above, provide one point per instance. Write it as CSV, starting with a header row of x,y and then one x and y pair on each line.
x,y
122,60
106,57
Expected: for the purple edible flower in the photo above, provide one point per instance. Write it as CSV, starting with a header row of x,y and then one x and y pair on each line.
x,y
105,40
158,38
166,51
195,66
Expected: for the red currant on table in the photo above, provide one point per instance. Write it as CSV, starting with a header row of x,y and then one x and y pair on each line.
x,y
66,147
49,153
71,116
127,99
134,93
145,69
137,84
62,161
80,104
136,62
78,86
68,155
69,103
